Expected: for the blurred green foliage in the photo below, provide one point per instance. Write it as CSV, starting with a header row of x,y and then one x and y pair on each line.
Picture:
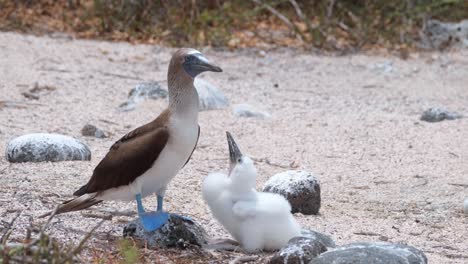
x,y
328,24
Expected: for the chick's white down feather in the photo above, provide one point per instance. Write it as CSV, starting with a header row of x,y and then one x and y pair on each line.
x,y
258,220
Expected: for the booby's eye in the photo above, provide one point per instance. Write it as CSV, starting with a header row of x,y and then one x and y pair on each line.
x,y
190,59
239,160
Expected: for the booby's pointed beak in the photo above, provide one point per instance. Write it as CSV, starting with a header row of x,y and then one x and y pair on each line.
x,y
204,65
196,63
234,152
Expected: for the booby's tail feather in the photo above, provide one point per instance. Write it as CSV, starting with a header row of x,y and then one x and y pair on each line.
x,y
76,204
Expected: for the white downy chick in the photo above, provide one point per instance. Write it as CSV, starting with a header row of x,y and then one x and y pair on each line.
x,y
257,220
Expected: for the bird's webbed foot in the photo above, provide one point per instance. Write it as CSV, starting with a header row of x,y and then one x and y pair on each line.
x,y
153,220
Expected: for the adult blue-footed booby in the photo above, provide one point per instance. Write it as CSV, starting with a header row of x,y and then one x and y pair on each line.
x,y
145,160
257,220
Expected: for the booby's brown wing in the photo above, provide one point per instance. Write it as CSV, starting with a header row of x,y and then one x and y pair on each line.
x,y
129,157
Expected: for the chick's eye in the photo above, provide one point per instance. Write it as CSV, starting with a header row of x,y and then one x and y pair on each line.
x,y
239,160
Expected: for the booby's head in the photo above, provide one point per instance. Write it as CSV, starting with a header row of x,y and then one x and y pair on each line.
x,y
191,62
242,171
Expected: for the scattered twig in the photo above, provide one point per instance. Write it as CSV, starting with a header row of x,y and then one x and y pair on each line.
x,y
425,181
5,104
79,248
243,259
455,256
105,216
30,95
365,233
267,161
53,69
9,229
282,17
223,244
43,228
108,122
331,5
465,185
114,212
313,32
119,75
4,169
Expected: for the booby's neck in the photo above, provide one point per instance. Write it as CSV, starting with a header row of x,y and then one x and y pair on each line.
x,y
183,97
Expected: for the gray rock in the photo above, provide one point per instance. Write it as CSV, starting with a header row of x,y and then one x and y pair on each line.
x,y
314,235
385,67
46,147
303,249
246,110
92,131
439,114
177,232
440,35
141,92
300,188
210,97
376,253
298,250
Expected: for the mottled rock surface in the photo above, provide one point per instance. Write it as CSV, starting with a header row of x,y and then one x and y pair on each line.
x,y
439,114
92,131
46,147
210,97
376,253
303,249
300,188
314,235
246,110
440,35
177,232
141,92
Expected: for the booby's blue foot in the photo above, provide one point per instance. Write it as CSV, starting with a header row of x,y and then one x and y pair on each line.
x,y
150,220
153,220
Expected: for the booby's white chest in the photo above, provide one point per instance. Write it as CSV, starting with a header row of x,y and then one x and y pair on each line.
x,y
183,136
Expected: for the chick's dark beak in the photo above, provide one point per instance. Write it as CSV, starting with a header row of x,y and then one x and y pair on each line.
x,y
234,152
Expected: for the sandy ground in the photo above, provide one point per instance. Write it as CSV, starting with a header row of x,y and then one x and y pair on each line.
x,y
353,121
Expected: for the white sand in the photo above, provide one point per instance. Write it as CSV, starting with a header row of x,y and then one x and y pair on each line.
x,y
353,121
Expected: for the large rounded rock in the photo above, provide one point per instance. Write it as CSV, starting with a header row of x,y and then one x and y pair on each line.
x,y
300,188
298,250
177,232
141,92
210,97
376,253
303,249
46,147
322,238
